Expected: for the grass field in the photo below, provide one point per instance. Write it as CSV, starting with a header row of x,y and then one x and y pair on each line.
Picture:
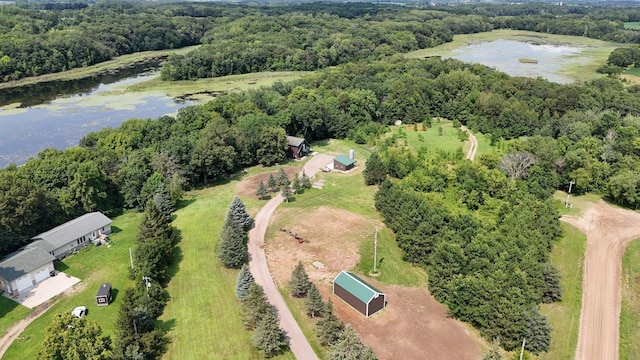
x,y
634,25
94,266
564,317
595,51
633,71
630,312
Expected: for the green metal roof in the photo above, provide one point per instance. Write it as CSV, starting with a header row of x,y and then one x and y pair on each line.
x,y
356,286
344,160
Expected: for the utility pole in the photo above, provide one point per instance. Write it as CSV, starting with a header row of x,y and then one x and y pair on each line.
x,y
524,340
131,257
566,204
375,250
147,283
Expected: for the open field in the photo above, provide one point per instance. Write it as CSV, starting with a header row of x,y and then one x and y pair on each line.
x,y
594,51
630,312
94,266
564,317
83,72
632,25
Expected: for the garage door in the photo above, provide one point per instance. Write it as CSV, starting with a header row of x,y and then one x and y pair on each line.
x,y
42,275
24,283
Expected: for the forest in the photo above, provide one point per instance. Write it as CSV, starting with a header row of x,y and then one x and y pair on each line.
x,y
483,230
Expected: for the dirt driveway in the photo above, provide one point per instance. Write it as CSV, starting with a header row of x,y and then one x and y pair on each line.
x,y
413,326
609,230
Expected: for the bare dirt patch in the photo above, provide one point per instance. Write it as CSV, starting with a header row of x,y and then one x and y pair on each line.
x,y
247,187
609,230
413,326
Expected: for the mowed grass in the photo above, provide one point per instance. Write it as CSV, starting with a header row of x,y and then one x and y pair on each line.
x,y
94,266
203,318
431,139
578,204
10,313
564,317
632,25
630,312
632,71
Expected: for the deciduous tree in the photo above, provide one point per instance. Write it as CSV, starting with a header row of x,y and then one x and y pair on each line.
x,y
68,337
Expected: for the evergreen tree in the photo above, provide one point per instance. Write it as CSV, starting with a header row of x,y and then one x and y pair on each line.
x,y
350,347
493,353
272,184
262,191
244,281
330,327
163,200
132,322
154,224
299,283
374,171
305,182
538,332
296,185
553,291
254,306
286,193
155,240
282,179
268,336
313,303
232,248
239,215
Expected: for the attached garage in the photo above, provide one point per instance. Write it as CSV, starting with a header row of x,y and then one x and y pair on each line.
x,y
24,283
24,268
358,294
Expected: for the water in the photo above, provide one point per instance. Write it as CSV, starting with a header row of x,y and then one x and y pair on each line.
x,y
505,55
59,121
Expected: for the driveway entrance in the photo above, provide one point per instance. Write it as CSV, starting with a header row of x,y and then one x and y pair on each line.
x,y
45,290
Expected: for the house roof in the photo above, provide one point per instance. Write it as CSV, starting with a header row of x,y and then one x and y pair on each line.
x,y
344,160
356,286
71,230
23,262
294,141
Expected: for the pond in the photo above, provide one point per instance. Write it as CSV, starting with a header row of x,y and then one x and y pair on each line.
x,y
41,118
517,58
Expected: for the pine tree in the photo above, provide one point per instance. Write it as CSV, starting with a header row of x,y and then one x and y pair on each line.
x,y
154,224
254,306
329,328
305,182
155,240
313,303
286,193
282,179
272,184
296,185
232,248
299,283
163,200
350,347
375,170
493,353
262,191
238,213
551,278
244,281
538,332
268,336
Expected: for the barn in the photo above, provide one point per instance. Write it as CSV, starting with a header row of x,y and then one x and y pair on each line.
x,y
359,294
298,147
343,163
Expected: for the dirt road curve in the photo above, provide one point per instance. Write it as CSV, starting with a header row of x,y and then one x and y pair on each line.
x,y
17,329
260,271
471,154
609,230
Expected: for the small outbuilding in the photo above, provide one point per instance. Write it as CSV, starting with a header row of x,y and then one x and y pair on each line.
x,y
343,163
359,294
298,147
103,297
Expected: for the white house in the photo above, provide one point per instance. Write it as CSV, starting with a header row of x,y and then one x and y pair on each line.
x,y
24,269
73,235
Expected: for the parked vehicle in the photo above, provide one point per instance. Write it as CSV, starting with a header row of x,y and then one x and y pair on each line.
x,y
79,311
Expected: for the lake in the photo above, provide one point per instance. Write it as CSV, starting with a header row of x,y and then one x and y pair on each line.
x,y
53,118
506,56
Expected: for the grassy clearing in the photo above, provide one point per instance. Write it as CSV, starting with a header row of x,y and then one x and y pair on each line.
x,y
630,312
203,316
632,71
594,51
219,84
564,317
94,266
431,138
580,203
80,73
632,25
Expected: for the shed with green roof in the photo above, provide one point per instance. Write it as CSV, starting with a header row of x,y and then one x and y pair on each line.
x,y
358,293
343,163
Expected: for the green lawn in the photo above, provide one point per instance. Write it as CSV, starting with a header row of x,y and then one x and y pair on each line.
x,y
564,317
632,71
630,313
633,25
10,313
431,138
94,266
